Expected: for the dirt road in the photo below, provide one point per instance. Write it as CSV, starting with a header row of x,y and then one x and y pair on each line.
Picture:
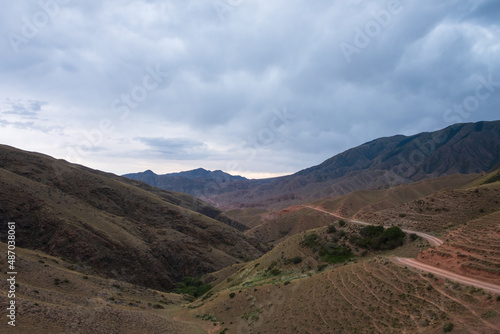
x,y
448,274
434,241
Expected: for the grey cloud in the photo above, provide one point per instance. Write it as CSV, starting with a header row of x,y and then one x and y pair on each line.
x,y
178,148
226,76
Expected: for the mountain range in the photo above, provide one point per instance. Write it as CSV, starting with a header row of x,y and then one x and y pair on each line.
x,y
460,148
100,253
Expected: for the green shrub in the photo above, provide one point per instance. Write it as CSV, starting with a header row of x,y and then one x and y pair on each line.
x,y
192,286
322,266
332,229
448,327
371,231
232,295
333,253
311,240
275,272
294,260
342,222
376,238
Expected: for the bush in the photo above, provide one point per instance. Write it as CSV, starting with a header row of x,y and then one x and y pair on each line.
x,y
448,327
275,272
322,266
311,240
231,295
192,286
294,260
376,238
342,222
333,253
332,229
328,251
371,231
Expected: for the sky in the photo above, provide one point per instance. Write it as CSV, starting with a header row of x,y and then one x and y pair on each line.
x,y
256,88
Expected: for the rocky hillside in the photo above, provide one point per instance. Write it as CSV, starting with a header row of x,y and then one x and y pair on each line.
x,y
460,148
121,228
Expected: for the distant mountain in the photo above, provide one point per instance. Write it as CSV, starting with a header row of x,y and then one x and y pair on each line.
x,y
197,182
460,148
120,228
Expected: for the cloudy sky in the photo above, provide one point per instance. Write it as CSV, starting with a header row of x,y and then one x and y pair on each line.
x,y
253,87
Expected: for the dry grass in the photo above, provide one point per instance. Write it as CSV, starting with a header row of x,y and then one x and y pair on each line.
x,y
52,297
373,296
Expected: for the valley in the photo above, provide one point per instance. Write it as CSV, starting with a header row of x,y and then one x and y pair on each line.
x,y
100,253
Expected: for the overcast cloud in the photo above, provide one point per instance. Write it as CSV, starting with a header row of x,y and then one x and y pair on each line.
x,y
252,87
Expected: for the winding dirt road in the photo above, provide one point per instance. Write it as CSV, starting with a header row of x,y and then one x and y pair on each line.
x,y
434,241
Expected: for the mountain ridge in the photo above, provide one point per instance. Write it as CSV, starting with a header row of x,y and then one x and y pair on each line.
x,y
459,148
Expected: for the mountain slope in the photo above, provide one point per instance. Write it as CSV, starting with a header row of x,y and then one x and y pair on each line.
x,y
108,223
460,148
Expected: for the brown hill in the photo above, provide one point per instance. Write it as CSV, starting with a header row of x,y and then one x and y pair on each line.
x,y
56,296
121,228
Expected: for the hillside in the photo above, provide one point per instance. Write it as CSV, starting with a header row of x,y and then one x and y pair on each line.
x,y
368,294
120,228
57,296
274,226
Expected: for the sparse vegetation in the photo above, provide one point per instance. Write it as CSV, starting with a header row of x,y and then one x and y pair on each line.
x,y
492,179
192,286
